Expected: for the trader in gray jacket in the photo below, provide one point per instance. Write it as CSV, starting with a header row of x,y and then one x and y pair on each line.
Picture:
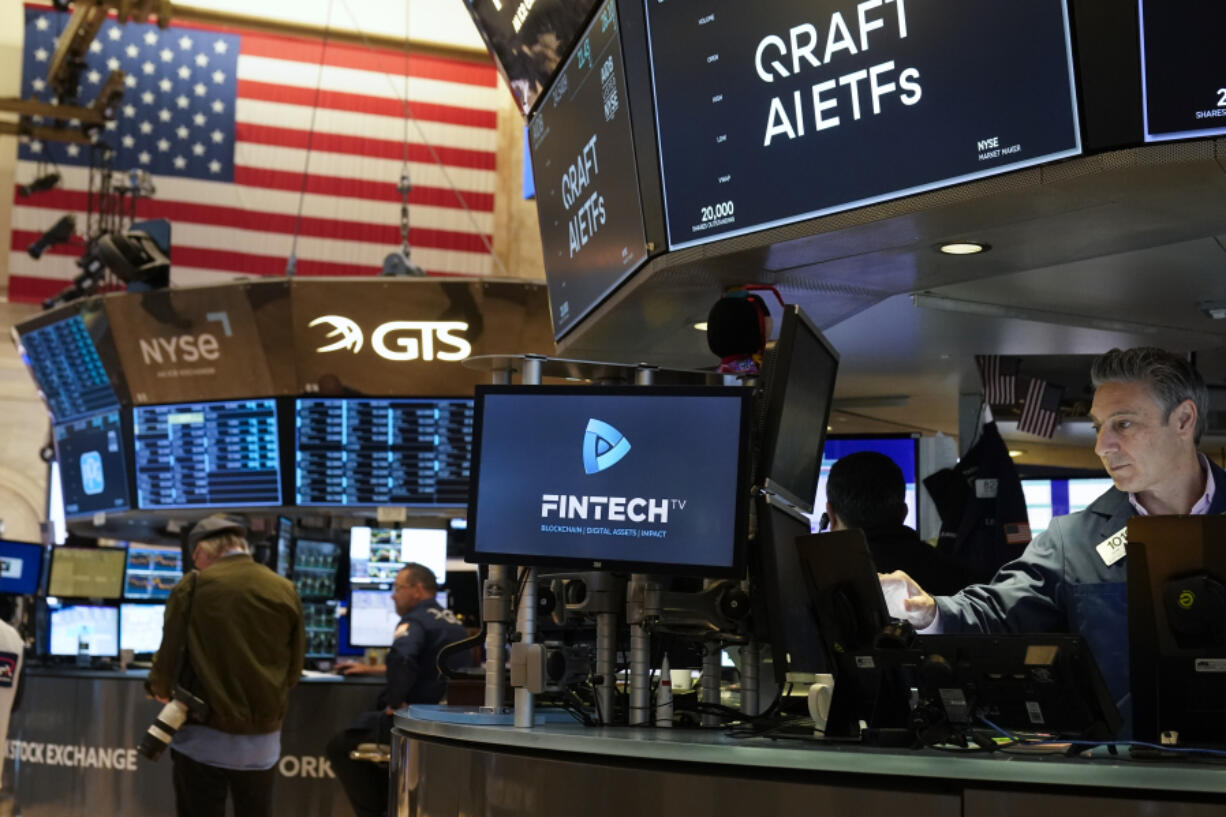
x,y
1149,412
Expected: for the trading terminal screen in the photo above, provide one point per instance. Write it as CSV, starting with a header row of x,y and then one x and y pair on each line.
x,y
87,573
206,455
68,370
83,625
153,571
375,452
315,567
21,567
372,617
93,464
376,555
140,627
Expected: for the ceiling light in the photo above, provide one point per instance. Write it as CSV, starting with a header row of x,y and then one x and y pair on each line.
x,y
1016,452
701,326
963,248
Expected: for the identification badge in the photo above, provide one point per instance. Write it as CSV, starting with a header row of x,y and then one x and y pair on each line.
x,y
1114,547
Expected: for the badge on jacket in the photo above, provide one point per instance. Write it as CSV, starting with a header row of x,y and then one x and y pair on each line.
x,y
1114,547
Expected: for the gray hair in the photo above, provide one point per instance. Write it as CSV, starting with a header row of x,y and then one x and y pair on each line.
x,y
1170,378
222,544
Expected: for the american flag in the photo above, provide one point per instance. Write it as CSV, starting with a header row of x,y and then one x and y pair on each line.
x,y
233,125
999,377
1041,411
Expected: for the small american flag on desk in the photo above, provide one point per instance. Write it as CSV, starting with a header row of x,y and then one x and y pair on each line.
x,y
234,125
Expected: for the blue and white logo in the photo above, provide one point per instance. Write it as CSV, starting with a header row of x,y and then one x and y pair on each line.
x,y
603,446
92,480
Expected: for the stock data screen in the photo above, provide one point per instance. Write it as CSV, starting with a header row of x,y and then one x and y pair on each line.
x,y
153,571
204,455
372,452
68,370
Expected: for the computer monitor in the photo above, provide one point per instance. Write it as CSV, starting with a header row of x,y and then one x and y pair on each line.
x,y
372,617
799,379
1177,628
70,627
93,456
376,555
153,571
21,567
1049,498
315,567
140,627
902,448
207,455
63,356
647,479
87,573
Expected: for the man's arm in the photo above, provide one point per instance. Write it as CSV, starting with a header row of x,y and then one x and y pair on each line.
x,y
174,634
297,647
403,664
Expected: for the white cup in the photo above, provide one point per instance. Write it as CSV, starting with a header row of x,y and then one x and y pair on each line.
x,y
820,694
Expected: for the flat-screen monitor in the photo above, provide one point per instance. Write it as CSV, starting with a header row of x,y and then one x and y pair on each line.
x,y
372,617
140,627
650,479
529,39
1182,69
21,567
583,161
367,452
799,377
319,620
207,455
64,359
1177,628
285,545
377,554
87,573
315,568
153,571
1049,498
902,448
773,112
74,626
93,456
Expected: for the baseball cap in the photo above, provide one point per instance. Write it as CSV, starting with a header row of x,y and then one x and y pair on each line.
x,y
212,526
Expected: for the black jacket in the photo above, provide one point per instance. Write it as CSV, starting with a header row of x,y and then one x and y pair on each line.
x,y
412,674
897,547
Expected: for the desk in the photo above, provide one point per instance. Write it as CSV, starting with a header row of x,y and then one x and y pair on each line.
x,y
72,746
558,770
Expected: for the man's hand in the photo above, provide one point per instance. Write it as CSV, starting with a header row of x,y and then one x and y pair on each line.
x,y
358,668
907,600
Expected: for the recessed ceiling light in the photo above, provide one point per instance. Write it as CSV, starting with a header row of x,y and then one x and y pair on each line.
x,y
701,326
963,248
1016,452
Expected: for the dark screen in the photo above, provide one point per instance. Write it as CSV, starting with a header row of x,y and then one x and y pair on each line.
x,y
21,567
1184,69
529,38
782,591
583,161
799,389
602,475
93,465
777,111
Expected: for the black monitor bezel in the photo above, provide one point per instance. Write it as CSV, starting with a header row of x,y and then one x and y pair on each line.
x,y
735,570
783,356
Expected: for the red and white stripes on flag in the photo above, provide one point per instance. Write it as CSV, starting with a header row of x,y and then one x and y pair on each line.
x,y
350,115
999,378
1041,411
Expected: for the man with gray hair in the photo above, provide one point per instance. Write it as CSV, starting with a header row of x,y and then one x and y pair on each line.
x,y
1149,411
241,625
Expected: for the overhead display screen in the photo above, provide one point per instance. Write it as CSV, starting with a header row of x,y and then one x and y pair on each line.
x,y
647,478
205,455
777,111
93,465
587,198
372,452
528,38
68,370
1183,69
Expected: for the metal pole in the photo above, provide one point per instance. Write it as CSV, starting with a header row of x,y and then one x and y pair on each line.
x,y
606,660
525,623
640,652
709,694
749,679
495,639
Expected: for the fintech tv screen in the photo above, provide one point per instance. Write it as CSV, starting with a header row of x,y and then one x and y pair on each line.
x,y
207,455
777,111
93,464
1183,69
587,195
651,479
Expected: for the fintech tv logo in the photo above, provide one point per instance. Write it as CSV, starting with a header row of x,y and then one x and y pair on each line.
x,y
93,480
409,340
603,446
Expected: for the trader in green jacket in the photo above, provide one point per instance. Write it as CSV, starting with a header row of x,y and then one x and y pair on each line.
x,y
245,643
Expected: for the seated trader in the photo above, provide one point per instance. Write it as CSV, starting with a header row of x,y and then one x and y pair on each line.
x,y
866,490
1149,412
245,643
412,678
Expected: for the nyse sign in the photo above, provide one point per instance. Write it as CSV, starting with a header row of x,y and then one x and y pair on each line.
x,y
399,340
